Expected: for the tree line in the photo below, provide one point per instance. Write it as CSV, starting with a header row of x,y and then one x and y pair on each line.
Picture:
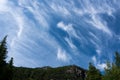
x,y
111,71
9,72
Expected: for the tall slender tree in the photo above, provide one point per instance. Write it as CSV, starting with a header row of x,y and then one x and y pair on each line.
x,y
6,69
3,53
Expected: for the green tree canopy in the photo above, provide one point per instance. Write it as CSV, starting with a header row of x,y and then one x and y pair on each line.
x,y
93,73
112,72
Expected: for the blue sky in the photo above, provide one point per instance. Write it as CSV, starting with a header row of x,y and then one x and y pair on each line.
x,y
60,32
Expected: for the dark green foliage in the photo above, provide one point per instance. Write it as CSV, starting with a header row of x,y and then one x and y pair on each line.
x,y
5,68
3,52
47,73
93,73
10,69
112,72
117,59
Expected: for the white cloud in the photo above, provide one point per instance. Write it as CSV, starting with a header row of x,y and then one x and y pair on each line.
x,y
4,6
70,43
68,28
94,59
98,51
20,22
78,11
64,27
62,56
93,35
37,10
60,9
93,11
99,24
2,2
101,66
98,65
8,9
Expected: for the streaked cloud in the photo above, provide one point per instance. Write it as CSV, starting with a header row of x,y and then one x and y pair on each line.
x,y
99,24
63,56
94,59
68,28
70,43
60,9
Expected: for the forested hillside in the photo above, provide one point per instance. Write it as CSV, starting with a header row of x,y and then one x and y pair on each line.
x,y
71,72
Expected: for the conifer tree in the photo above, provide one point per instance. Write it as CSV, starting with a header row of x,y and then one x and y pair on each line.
x,y
112,72
10,69
117,59
3,53
6,69
93,73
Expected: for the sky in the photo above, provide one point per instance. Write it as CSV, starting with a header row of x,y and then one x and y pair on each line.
x,y
60,32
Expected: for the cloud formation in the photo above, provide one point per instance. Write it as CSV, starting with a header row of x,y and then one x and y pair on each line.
x,y
98,64
63,56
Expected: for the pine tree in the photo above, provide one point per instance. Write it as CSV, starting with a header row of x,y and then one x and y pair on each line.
x,y
116,67
93,73
108,72
3,53
112,72
117,59
10,69
6,69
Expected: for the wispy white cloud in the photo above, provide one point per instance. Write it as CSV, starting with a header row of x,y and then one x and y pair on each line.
x,y
64,27
95,40
98,51
60,9
93,10
62,55
97,63
99,24
35,8
68,28
94,36
3,6
94,59
101,66
20,21
6,7
70,43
